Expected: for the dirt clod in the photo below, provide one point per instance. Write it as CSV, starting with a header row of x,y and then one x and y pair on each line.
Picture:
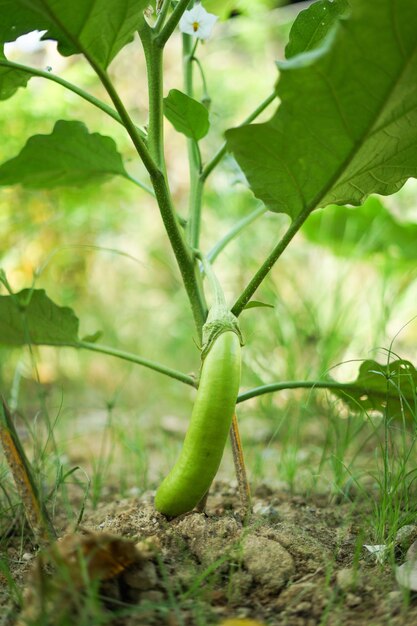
x,y
347,579
141,577
268,562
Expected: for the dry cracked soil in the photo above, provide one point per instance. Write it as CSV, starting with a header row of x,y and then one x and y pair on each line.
x,y
294,562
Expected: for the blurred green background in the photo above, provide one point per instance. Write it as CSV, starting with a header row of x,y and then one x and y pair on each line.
x,y
342,291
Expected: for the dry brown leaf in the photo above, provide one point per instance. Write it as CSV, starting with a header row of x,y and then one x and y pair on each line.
x,y
62,571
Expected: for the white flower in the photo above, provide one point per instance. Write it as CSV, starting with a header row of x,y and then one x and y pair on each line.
x,y
198,22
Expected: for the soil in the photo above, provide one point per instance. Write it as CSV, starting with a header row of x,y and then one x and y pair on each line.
x,y
293,562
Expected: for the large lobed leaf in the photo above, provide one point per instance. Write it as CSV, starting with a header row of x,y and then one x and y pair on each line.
x,y
347,123
389,389
30,317
97,28
70,155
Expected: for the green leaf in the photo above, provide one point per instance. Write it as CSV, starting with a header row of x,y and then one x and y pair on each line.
x,y
366,230
347,124
70,155
313,24
30,317
11,80
93,338
187,116
97,28
389,389
255,304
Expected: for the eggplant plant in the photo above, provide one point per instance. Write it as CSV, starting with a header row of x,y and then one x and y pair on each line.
x,y
342,126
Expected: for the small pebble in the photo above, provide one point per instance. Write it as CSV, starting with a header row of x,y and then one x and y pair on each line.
x,y
303,607
346,578
142,577
352,600
152,596
394,600
266,510
404,539
27,556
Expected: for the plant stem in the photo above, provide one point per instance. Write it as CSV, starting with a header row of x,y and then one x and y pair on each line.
x,y
293,384
139,183
133,358
223,149
253,285
240,467
196,201
171,24
194,158
71,87
154,68
182,252
206,97
234,232
137,140
216,288
163,197
162,16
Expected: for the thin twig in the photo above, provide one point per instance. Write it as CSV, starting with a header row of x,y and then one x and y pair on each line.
x,y
240,468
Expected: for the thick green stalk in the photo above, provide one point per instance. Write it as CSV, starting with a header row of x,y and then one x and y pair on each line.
x,y
154,63
182,251
154,68
163,197
223,149
71,87
137,140
260,275
133,358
